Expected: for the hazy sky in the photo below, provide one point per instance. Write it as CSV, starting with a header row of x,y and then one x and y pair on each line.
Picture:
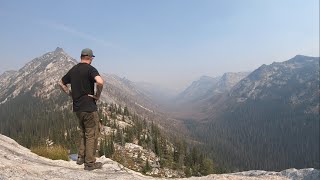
x,y
166,42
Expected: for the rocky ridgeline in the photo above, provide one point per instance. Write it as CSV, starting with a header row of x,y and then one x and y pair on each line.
x,y
298,77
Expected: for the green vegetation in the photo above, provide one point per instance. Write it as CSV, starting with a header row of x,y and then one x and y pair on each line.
x,y
30,121
261,135
54,152
147,167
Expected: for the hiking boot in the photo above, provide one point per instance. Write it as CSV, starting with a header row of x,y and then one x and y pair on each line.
x,y
80,161
96,165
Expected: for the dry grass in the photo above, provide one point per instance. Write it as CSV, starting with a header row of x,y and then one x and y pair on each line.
x,y
54,152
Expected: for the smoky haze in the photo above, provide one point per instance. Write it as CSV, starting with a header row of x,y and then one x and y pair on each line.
x,y
166,43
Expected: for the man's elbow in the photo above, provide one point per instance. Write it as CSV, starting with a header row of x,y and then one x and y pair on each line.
x,y
100,82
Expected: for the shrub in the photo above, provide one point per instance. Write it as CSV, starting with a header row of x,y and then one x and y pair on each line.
x,y
54,152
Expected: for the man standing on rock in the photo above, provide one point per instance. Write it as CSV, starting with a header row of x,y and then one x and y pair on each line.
x,y
82,78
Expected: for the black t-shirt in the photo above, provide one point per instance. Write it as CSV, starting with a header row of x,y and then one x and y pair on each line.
x,y
81,77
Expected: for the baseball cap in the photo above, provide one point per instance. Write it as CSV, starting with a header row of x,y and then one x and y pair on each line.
x,y
87,52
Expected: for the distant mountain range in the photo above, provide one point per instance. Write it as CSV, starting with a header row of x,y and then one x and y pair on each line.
x,y
266,119
207,87
196,100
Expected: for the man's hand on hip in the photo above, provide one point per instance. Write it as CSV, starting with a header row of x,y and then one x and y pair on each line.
x,y
94,97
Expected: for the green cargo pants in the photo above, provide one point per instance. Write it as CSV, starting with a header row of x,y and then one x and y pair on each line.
x,y
89,125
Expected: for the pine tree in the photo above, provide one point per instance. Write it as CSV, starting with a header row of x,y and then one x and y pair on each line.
x,y
206,166
147,167
126,111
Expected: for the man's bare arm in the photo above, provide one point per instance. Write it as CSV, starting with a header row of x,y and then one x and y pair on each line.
x,y
99,85
64,88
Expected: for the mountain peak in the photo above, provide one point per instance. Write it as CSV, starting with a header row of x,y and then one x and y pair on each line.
x,y
301,58
58,49
205,78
